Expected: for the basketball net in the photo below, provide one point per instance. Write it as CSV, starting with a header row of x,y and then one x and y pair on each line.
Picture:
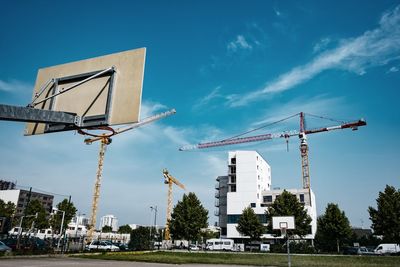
x,y
283,231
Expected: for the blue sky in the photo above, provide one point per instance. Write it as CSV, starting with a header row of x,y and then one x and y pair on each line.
x,y
227,67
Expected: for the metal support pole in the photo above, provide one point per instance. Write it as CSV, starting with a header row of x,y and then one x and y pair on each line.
x,y
61,229
20,231
288,252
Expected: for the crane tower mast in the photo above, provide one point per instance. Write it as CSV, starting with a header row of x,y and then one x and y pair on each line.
x,y
170,180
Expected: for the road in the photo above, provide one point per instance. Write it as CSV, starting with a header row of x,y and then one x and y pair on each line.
x,y
68,262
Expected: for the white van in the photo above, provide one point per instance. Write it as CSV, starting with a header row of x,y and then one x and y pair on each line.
x,y
382,249
220,244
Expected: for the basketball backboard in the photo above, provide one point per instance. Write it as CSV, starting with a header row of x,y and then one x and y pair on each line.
x,y
101,91
283,222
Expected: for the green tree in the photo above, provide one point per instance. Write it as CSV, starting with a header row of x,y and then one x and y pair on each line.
x,y
386,218
249,224
7,211
140,239
333,229
40,222
188,218
106,229
56,219
287,204
124,229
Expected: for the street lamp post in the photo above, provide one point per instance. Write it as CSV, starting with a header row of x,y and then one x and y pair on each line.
x,y
62,225
155,219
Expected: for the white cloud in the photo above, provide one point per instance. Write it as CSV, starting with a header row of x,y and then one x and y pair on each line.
x,y
150,108
14,86
240,43
215,93
394,69
374,48
321,45
315,105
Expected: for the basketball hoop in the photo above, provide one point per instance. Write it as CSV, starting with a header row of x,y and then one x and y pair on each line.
x,y
102,131
98,133
283,227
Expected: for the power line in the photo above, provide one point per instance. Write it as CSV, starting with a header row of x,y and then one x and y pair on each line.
x,y
41,190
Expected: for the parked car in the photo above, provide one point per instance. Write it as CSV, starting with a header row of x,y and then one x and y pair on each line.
x,y
4,248
101,245
357,251
194,247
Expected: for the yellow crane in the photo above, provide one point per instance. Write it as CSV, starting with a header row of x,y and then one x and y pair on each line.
x,y
170,180
105,140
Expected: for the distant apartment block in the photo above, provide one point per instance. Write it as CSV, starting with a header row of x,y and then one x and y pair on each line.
x,y
248,184
6,185
21,198
109,220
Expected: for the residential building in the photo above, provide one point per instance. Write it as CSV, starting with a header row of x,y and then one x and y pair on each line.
x,y
248,176
21,198
6,185
109,220
248,184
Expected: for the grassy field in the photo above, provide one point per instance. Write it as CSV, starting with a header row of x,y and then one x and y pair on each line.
x,y
250,259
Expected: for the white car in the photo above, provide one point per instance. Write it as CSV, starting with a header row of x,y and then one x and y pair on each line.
x,y
101,245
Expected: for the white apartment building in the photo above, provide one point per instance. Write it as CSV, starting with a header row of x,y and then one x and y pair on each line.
x,y
109,220
248,183
248,176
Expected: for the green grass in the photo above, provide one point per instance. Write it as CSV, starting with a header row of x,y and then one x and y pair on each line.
x,y
250,259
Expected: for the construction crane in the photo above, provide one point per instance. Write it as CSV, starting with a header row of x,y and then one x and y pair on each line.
x,y
170,180
301,133
105,140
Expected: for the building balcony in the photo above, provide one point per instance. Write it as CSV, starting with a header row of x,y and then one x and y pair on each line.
x,y
216,204
217,194
216,212
231,181
217,186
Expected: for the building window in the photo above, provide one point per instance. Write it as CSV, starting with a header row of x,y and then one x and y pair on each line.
x,y
262,217
233,160
268,199
233,169
301,198
233,218
263,205
232,188
253,205
233,179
